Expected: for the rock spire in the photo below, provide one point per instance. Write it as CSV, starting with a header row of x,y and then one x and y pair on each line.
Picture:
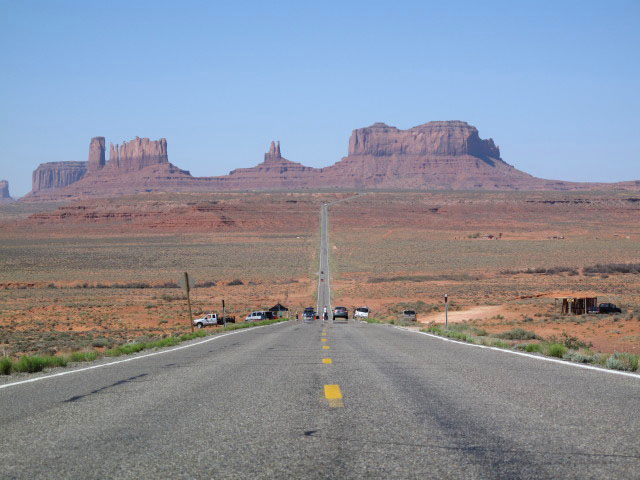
x,y
96,154
274,152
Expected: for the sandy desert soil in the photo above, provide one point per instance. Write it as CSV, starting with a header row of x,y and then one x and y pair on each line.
x,y
393,251
97,273
103,272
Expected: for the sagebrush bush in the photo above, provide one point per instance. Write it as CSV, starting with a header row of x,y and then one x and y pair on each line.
x,y
517,334
623,361
578,357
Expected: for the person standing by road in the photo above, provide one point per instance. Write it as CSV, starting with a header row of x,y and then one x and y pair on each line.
x,y
325,316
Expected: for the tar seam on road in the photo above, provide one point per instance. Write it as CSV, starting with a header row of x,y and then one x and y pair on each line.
x,y
216,337
528,355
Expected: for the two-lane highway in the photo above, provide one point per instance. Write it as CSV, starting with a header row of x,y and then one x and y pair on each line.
x,y
324,280
323,400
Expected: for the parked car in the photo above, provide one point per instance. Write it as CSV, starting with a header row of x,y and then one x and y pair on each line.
x,y
212,319
409,315
258,315
609,308
340,312
309,314
361,312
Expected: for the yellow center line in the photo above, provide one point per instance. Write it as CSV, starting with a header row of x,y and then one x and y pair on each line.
x,y
325,347
323,339
327,361
324,334
333,395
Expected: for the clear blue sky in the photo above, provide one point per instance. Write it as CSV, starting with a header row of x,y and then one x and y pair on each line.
x,y
556,84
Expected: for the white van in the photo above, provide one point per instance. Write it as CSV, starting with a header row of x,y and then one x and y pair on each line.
x,y
361,312
257,316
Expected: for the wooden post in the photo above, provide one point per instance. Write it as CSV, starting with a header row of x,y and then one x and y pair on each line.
x,y
224,318
186,287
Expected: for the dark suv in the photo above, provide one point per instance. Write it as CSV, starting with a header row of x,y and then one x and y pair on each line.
x,y
340,312
309,314
609,308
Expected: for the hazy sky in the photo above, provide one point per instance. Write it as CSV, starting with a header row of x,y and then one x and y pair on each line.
x,y
556,84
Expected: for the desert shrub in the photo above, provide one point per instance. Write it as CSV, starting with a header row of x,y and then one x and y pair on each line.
x,y
169,285
556,350
573,342
623,361
533,348
6,366
33,364
500,344
578,357
517,334
371,320
235,282
456,335
206,284
170,298
520,346
543,271
613,268
83,356
101,342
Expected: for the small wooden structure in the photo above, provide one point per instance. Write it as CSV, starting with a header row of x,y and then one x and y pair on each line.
x,y
577,305
278,310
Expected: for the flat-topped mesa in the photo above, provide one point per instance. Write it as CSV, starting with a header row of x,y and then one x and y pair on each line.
x,y
274,152
96,154
449,138
57,175
137,154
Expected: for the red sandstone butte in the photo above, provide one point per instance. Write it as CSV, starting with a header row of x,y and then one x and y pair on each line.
x,y
447,155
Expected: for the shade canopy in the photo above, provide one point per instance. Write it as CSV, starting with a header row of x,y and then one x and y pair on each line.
x,y
278,308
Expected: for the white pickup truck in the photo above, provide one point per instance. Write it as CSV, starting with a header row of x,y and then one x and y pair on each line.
x,y
212,319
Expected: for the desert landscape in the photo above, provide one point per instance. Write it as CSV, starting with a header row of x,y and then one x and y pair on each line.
x,y
98,273
103,273
505,259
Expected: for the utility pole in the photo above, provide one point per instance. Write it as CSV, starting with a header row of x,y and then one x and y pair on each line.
x,y
446,311
187,288
224,318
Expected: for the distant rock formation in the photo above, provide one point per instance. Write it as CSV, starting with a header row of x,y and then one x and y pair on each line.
x,y
96,154
56,175
138,154
435,155
434,138
275,172
447,155
130,157
4,192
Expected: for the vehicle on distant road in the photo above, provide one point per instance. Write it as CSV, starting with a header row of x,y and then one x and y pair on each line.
x,y
361,312
340,312
604,308
409,315
259,315
309,314
212,319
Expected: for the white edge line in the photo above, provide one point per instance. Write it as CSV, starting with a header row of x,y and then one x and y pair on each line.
x,y
536,357
130,359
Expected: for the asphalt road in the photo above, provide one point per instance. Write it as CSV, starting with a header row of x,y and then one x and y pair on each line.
x,y
323,400
324,288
